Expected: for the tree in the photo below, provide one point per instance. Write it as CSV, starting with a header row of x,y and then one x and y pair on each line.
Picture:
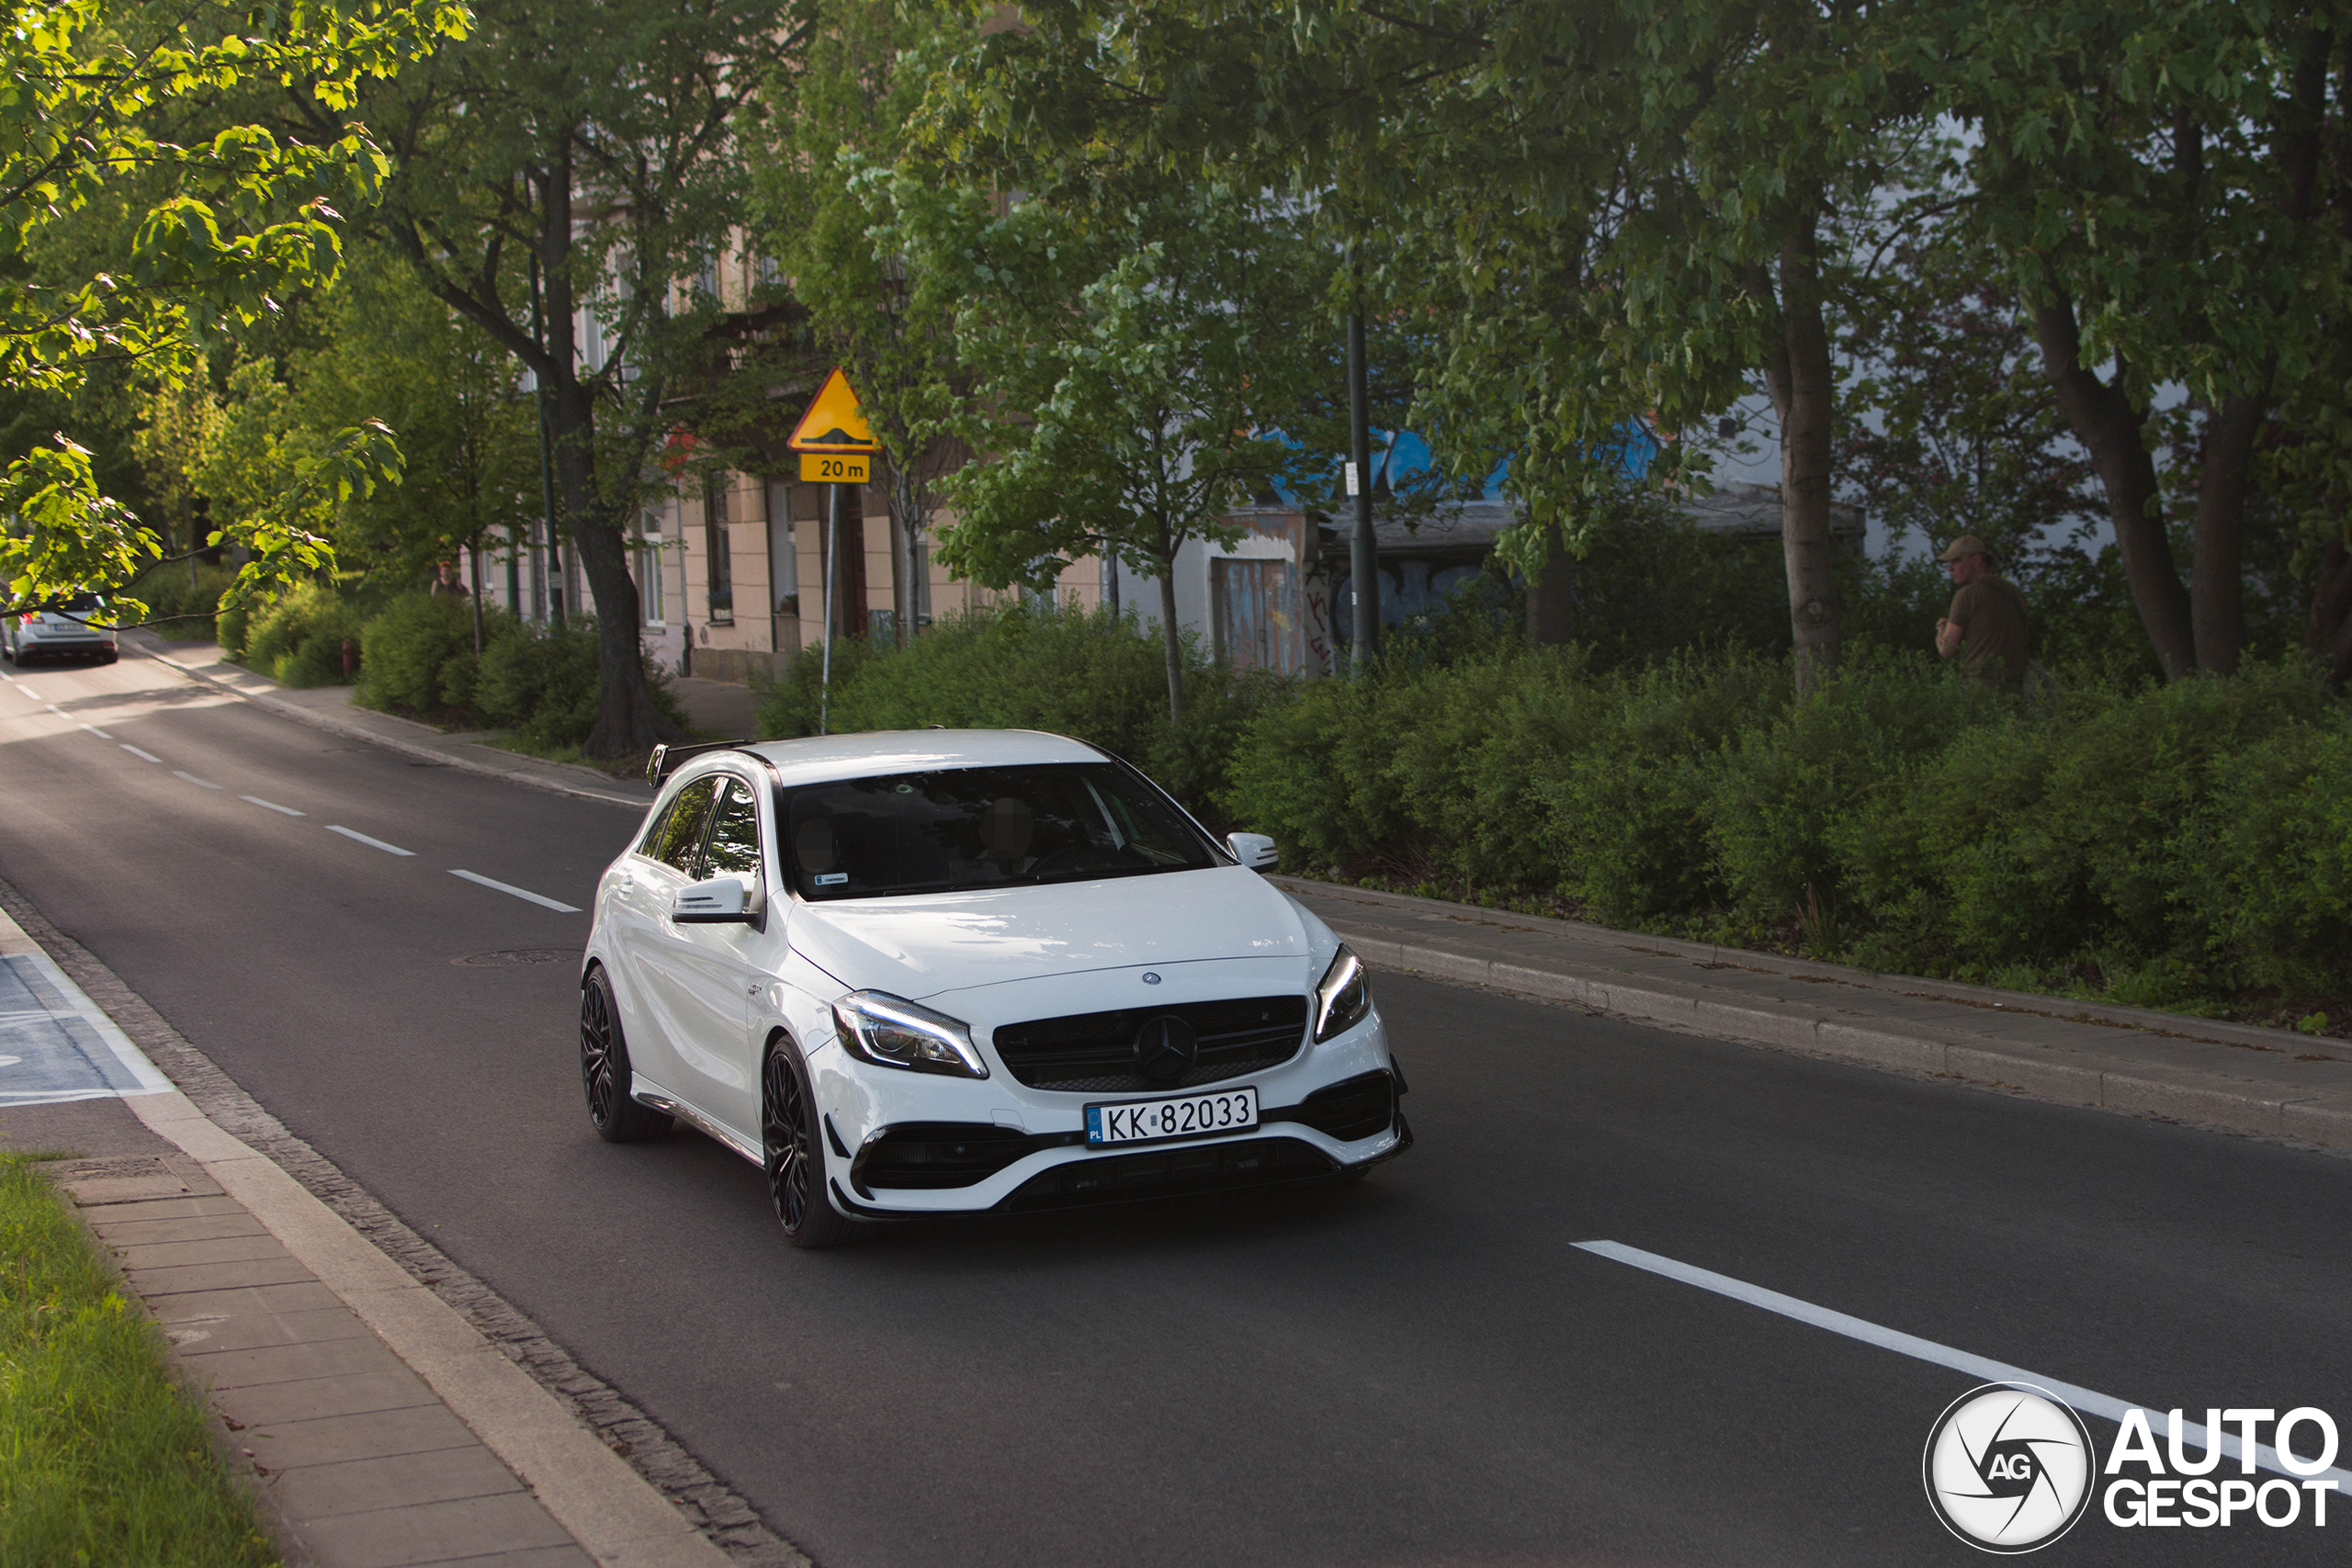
x,y
450,393
573,168
227,222
1133,354
2156,174
840,119
1621,213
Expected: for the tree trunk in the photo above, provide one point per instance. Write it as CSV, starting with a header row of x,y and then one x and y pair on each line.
x,y
2107,425
1551,596
1803,382
2216,573
1171,639
627,719
2327,629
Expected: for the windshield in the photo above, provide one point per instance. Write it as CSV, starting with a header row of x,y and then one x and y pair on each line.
x,y
982,827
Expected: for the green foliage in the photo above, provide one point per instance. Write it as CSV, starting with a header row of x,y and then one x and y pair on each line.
x,y
2159,842
182,603
1096,677
113,119
297,639
107,1459
541,682
420,653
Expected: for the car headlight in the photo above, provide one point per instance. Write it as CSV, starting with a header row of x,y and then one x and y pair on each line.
x,y
1342,997
894,1034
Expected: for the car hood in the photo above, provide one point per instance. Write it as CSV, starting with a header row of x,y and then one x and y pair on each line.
x,y
919,946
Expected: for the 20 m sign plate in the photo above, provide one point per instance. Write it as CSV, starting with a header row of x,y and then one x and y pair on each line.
x,y
835,467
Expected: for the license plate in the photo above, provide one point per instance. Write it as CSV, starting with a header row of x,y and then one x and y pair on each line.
x,y
1185,1116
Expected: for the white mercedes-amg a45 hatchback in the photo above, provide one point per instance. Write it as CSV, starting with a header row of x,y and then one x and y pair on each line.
x,y
939,972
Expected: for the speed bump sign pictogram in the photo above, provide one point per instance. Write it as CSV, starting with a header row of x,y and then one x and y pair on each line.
x,y
835,444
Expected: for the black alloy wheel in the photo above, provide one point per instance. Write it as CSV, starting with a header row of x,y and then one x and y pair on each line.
x,y
793,1158
605,1069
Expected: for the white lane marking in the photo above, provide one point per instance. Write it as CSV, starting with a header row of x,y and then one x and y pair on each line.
x,y
142,756
1982,1367
378,844
272,805
541,899
202,783
96,730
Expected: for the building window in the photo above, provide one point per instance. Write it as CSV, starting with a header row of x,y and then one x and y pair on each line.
x,y
721,556
650,592
783,550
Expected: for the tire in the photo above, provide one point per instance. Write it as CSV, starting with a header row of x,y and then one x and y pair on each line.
x,y
793,1155
604,1071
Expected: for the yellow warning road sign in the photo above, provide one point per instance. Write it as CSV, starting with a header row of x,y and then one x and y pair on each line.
x,y
833,423
835,467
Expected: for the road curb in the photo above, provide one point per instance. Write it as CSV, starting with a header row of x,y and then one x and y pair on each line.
x,y
316,720
2173,1094
612,1512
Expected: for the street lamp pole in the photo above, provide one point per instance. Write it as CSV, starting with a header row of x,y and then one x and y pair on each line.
x,y
1362,549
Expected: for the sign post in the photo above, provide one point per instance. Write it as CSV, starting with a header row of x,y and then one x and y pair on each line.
x,y
837,448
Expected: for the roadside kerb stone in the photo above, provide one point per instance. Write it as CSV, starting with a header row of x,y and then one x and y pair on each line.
x,y
2132,1060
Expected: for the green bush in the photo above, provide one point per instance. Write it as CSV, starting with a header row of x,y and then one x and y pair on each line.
x,y
1629,809
541,682
177,608
1098,678
419,653
297,639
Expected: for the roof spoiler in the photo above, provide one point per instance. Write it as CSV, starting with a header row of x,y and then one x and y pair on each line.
x,y
666,759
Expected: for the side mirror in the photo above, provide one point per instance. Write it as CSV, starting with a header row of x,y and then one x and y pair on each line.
x,y
1253,850
723,900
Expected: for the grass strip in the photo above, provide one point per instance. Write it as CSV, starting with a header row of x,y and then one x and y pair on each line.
x,y
104,1458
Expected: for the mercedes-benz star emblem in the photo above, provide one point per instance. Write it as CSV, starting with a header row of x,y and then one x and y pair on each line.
x,y
1166,1048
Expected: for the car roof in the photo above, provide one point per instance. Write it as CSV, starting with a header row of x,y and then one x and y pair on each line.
x,y
821,759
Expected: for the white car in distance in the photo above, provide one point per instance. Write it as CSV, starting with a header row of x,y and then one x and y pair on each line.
x,y
64,632
936,972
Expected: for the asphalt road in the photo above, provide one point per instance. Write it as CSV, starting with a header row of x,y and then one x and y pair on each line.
x,y
1420,1368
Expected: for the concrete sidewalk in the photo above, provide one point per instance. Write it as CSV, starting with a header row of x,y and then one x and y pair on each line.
x,y
377,1427
2228,1076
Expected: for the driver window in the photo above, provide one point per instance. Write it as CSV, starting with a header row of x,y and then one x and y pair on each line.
x,y
680,834
734,846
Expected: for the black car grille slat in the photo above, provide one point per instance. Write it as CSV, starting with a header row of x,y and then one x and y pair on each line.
x,y
1095,1052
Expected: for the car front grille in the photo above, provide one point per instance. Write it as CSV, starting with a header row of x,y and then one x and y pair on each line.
x,y
1095,1052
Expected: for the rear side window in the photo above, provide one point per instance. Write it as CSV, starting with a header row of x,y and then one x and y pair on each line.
x,y
680,835
734,845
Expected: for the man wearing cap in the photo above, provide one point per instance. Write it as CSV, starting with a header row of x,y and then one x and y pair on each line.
x,y
1987,627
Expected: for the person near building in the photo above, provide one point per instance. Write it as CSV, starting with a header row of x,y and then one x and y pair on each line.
x,y
445,584
1986,628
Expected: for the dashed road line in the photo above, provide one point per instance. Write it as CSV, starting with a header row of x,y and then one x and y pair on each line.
x,y
272,806
524,893
352,833
201,784
1983,1367
96,730
142,756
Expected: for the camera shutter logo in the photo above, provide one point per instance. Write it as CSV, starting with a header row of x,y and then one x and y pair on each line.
x,y
2009,1468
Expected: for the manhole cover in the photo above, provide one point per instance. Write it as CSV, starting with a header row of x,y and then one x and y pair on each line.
x,y
517,957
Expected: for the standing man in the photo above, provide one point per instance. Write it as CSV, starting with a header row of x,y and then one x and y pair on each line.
x,y
1987,627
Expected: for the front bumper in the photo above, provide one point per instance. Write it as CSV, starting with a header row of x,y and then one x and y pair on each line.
x,y
903,1145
